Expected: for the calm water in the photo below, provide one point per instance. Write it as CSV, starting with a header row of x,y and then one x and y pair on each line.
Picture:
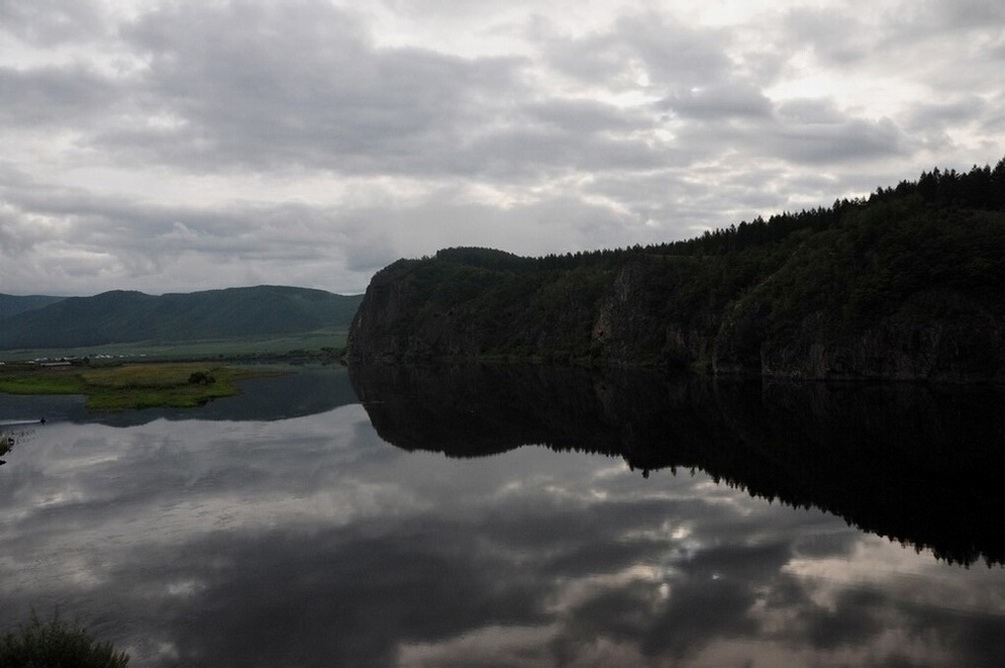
x,y
517,517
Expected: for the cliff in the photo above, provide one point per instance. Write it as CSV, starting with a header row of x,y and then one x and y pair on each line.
x,y
908,284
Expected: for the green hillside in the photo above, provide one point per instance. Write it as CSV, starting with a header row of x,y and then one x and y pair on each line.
x,y
122,317
907,283
12,305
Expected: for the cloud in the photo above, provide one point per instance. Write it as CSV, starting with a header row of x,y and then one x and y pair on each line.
x,y
639,51
313,134
720,101
51,22
837,35
53,236
301,84
942,15
54,97
829,143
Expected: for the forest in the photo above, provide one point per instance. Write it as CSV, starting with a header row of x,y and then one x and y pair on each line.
x,y
906,283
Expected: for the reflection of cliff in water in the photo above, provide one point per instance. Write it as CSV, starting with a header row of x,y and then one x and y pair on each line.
x,y
921,464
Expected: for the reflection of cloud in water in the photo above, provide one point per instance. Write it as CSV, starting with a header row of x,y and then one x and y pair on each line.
x,y
309,542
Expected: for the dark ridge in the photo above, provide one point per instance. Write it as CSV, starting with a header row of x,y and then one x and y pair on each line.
x,y
12,305
907,284
128,316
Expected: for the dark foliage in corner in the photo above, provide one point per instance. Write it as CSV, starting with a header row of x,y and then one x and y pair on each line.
x,y
56,644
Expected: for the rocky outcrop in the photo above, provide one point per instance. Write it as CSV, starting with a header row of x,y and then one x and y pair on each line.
x,y
896,288
633,318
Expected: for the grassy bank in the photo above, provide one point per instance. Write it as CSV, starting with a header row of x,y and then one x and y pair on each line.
x,y
112,388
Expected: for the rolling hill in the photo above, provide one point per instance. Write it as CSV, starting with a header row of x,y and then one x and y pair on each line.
x,y
12,305
128,316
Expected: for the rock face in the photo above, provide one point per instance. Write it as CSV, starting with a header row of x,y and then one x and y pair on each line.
x,y
631,319
933,335
378,331
893,288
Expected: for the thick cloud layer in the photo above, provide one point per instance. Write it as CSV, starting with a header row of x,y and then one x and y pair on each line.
x,y
181,145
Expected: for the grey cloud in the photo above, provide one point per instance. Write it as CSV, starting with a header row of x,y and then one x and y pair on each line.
x,y
810,111
54,97
837,35
809,138
993,123
935,117
599,59
683,206
519,153
941,15
673,52
949,48
51,22
853,140
143,246
237,87
584,116
345,106
16,236
130,243
442,9
304,85
719,101
670,52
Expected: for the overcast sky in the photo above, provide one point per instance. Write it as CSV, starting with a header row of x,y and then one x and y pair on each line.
x,y
180,146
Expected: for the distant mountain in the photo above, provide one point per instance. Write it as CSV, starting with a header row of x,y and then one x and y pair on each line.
x,y
12,305
126,316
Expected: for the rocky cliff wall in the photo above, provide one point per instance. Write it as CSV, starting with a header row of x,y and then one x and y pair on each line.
x,y
631,318
896,290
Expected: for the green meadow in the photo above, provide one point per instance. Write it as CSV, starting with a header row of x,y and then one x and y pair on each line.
x,y
128,386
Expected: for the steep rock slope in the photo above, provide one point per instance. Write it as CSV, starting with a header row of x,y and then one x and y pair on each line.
x,y
909,284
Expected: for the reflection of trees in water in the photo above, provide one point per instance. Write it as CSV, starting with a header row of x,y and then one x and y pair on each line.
x,y
920,464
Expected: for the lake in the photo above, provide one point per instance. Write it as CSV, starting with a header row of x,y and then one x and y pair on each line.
x,y
517,516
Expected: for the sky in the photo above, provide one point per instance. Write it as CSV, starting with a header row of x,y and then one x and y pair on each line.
x,y
184,145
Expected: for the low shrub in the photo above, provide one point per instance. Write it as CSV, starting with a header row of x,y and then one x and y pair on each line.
x,y
56,644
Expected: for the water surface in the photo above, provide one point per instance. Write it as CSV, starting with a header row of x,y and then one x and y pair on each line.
x,y
517,517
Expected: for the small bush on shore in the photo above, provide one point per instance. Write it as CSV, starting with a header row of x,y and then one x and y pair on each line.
x,y
56,644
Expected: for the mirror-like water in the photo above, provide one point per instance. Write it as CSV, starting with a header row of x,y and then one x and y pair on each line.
x,y
299,526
